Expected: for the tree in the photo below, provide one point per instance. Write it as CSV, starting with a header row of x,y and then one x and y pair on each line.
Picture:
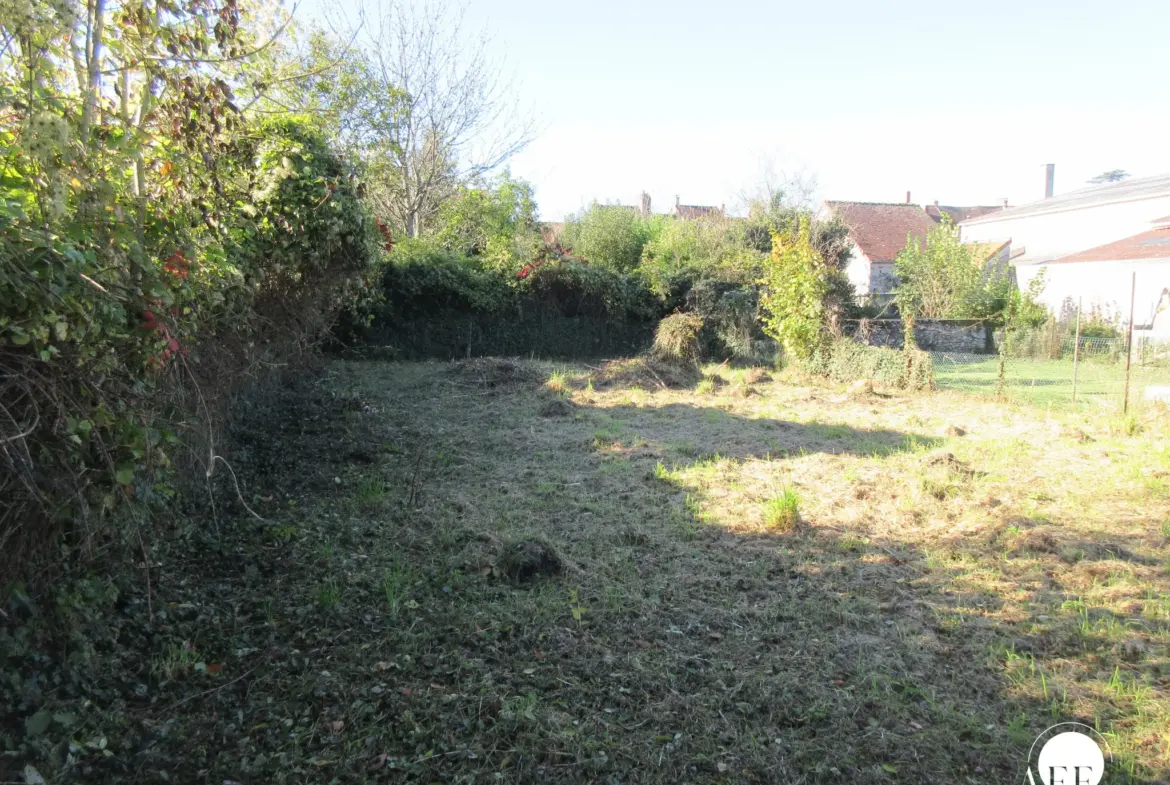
x,y
795,286
940,280
1112,176
493,221
431,108
612,236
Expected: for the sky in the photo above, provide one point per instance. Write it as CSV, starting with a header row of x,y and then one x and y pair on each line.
x,y
963,103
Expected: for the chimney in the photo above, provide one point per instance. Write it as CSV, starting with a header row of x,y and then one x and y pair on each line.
x,y
723,209
1005,203
645,205
1049,180
907,197
676,202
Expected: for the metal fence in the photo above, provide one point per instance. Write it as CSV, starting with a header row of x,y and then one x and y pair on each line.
x,y
1056,370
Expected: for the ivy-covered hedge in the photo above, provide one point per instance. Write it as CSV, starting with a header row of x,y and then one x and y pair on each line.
x,y
126,320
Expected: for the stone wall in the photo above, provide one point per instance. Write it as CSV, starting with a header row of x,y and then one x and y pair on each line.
x,y
965,336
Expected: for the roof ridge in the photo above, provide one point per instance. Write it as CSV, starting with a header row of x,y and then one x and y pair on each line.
x,y
874,204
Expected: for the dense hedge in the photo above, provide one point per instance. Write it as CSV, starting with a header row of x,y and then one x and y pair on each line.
x,y
846,360
120,340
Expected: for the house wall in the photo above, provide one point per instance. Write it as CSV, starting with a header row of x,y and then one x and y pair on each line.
x,y
1051,235
857,270
881,277
1104,286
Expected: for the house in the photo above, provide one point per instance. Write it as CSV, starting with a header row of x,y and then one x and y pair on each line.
x,y
1089,243
1105,278
692,212
877,232
1057,226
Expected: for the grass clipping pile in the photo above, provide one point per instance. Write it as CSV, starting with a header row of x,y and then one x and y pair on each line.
x,y
673,361
491,373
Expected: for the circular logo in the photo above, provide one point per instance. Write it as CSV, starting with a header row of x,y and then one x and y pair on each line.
x,y
1069,755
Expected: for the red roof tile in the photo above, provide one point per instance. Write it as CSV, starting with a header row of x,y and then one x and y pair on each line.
x,y
880,230
1154,244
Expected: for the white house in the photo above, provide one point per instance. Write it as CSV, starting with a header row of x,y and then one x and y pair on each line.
x,y
877,231
1104,279
1089,243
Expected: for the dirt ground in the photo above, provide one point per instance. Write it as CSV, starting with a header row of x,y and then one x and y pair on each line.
x,y
505,572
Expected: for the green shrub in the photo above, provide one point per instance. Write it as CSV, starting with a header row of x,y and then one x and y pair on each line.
x,y
117,335
845,360
608,235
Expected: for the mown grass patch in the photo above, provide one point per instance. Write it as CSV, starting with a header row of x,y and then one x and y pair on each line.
x,y
619,596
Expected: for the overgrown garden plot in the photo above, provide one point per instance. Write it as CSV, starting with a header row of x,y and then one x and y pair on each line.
x,y
494,571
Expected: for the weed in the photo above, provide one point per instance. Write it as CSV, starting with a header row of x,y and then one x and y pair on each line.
x,y
328,594
395,584
1128,424
706,386
783,512
577,609
371,489
558,381
175,661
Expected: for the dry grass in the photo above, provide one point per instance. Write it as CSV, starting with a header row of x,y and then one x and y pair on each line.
x,y
963,575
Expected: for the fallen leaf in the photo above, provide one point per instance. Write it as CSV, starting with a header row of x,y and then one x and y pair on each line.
x,y
642,644
715,636
381,666
214,667
337,726
407,691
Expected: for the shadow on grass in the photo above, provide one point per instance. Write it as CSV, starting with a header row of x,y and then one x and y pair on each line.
x,y
686,431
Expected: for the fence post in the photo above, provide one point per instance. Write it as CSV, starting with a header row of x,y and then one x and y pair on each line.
x,y
1077,350
1129,343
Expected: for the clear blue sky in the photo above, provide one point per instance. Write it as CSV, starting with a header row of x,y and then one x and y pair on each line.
x,y
959,102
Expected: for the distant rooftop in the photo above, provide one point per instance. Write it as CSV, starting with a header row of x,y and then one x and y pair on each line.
x,y
880,229
959,214
1108,193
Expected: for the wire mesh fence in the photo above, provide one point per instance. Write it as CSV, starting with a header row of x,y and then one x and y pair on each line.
x,y
1059,371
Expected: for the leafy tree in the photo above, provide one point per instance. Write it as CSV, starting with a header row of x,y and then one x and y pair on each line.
x,y
1111,176
609,235
495,222
795,285
938,280
423,106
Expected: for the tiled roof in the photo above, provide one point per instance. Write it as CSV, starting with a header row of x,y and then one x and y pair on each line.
x,y
880,230
1154,244
1109,193
958,214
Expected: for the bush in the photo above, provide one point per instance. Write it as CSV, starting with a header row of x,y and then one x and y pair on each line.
x,y
730,325
846,360
116,335
677,339
609,235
